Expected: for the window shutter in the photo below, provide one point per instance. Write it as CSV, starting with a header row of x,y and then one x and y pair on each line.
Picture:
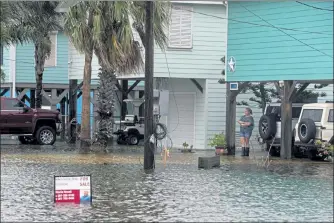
x,y
51,61
180,29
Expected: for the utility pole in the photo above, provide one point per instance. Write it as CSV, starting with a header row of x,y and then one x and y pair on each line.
x,y
149,61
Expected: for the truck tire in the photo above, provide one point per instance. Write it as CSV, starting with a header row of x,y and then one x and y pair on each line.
x,y
25,140
267,126
306,130
46,135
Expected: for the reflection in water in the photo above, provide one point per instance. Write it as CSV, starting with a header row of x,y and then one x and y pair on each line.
x,y
239,190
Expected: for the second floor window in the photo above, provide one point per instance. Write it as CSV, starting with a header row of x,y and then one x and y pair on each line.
x,y
180,27
52,60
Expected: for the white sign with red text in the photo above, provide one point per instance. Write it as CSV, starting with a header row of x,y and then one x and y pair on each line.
x,y
72,189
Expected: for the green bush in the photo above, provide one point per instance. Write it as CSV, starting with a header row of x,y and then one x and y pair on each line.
x,y
219,140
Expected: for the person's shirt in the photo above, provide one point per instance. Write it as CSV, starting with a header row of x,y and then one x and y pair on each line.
x,y
249,119
85,198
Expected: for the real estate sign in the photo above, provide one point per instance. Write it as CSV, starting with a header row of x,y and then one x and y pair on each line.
x,y
72,189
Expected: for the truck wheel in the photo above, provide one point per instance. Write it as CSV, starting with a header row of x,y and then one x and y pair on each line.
x,y
267,126
27,140
306,130
133,140
46,135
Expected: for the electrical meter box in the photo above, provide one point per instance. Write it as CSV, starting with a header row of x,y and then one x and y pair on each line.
x,y
160,102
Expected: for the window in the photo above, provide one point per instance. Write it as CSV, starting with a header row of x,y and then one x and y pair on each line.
x,y
313,114
330,116
180,28
12,104
296,112
52,60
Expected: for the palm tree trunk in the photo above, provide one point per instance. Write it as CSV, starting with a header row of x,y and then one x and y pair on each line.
x,y
85,123
105,103
39,69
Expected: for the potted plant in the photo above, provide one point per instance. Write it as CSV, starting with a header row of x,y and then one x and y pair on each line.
x,y
185,148
219,142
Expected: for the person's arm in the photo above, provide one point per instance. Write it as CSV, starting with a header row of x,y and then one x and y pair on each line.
x,y
240,122
250,123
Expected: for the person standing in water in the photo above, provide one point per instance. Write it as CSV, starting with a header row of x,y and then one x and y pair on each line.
x,y
246,128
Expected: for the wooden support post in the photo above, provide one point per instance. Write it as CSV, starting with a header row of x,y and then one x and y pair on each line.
x,y
125,86
63,111
32,98
231,107
286,119
72,110
149,61
54,98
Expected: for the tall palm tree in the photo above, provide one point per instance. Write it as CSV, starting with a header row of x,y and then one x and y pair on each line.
x,y
79,28
109,33
33,21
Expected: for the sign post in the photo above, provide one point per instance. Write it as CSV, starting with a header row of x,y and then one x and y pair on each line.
x,y
73,189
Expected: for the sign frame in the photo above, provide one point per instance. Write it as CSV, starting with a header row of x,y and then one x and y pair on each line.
x,y
82,175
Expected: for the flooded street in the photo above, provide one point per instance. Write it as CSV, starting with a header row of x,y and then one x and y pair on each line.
x,y
240,190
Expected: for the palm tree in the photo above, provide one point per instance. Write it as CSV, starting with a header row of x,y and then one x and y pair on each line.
x,y
109,33
79,28
118,52
33,21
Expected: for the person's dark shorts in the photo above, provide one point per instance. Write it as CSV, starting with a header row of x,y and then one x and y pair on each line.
x,y
245,134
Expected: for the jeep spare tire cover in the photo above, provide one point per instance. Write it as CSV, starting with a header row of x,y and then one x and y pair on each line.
x,y
306,130
267,126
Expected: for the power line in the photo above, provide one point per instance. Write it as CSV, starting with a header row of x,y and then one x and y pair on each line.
x,y
285,32
330,10
256,24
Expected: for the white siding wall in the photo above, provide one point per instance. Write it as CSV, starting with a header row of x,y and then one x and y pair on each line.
x,y
201,60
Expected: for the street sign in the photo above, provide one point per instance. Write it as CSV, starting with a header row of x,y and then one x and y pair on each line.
x,y
73,189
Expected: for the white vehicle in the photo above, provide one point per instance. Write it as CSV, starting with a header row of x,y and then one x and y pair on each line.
x,y
314,124
131,130
270,125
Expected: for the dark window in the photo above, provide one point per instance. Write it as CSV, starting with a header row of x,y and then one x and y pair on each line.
x,y
313,114
330,116
296,112
12,104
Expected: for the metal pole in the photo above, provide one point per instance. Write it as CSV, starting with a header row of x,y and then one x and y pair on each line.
x,y
149,60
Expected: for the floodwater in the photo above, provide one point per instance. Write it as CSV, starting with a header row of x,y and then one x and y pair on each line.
x,y
240,190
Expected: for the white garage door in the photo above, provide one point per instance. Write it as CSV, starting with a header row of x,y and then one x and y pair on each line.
x,y
181,116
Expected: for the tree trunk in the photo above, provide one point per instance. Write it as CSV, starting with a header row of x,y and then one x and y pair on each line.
x,y
231,107
286,122
39,69
85,116
105,107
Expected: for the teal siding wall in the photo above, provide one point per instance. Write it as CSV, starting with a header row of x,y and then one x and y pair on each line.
x,y
265,53
25,71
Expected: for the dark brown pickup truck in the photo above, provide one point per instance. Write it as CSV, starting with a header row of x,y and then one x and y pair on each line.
x,y
30,125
